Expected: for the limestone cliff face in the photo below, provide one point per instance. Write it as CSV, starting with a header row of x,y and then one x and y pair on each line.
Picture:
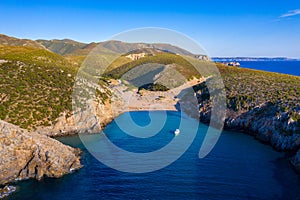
x,y
278,130
26,154
90,120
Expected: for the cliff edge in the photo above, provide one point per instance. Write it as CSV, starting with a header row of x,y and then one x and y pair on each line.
x,y
26,154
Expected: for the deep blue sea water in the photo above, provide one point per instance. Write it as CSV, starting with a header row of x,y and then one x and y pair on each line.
x,y
284,67
239,167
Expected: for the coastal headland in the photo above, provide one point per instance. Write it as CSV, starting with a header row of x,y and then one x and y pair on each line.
x,y
37,79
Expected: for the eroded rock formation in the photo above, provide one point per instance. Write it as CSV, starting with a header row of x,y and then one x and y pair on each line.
x,y
26,154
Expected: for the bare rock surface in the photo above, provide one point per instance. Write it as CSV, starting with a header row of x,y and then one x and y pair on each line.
x,y
124,99
26,154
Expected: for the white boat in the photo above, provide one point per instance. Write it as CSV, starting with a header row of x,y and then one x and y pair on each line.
x,y
177,131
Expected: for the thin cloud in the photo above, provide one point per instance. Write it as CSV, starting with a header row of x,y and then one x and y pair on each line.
x,y
291,13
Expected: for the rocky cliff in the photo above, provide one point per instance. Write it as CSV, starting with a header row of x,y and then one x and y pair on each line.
x,y
265,124
31,155
90,120
263,104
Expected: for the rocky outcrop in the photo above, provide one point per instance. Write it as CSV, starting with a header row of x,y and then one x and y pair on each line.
x,y
278,130
136,56
91,120
6,191
97,114
265,124
31,155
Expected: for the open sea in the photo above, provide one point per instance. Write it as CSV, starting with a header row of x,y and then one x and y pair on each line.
x,y
238,167
284,67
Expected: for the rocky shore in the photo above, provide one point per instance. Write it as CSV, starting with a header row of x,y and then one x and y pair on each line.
x,y
36,155
123,99
27,154
6,191
277,130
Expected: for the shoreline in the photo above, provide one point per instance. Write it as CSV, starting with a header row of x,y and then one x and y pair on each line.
x,y
146,101
291,152
261,127
109,116
27,155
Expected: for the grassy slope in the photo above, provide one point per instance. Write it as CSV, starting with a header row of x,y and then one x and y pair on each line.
x,y
12,41
62,47
246,89
182,65
36,86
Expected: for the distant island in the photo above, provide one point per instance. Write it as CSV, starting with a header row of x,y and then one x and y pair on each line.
x,y
37,79
238,59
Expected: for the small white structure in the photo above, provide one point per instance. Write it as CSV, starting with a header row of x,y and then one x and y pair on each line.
x,y
177,131
136,56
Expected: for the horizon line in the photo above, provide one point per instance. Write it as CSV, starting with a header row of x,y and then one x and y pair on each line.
x,y
89,42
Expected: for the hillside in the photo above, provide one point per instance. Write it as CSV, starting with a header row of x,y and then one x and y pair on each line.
x,y
248,88
121,47
61,47
76,52
12,41
252,95
180,64
260,103
72,47
36,86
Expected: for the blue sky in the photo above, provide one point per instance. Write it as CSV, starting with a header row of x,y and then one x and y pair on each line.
x,y
223,28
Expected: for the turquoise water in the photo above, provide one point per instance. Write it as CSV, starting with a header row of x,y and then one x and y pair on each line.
x,y
239,167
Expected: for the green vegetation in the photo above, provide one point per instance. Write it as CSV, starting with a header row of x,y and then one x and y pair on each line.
x,y
102,96
122,60
62,47
12,41
182,65
246,89
36,86
154,87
